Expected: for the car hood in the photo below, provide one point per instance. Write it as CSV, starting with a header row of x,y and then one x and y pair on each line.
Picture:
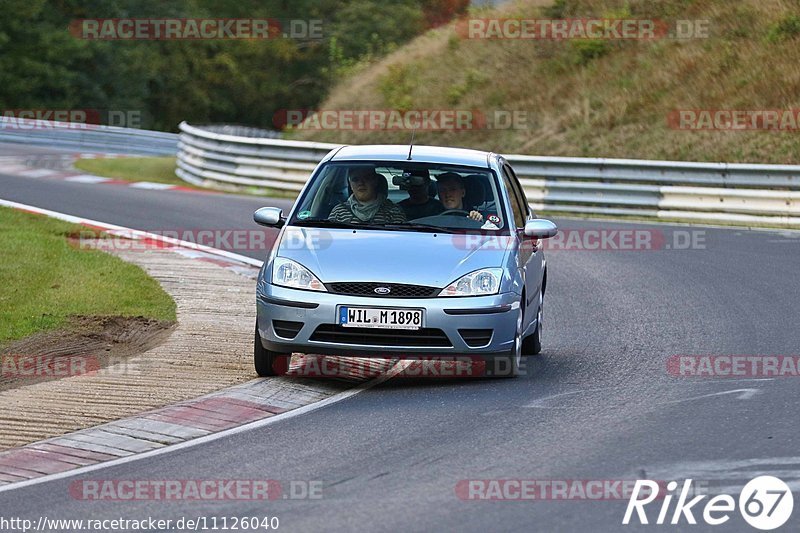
x,y
429,259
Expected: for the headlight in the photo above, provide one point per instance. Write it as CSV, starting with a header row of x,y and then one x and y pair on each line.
x,y
478,283
288,273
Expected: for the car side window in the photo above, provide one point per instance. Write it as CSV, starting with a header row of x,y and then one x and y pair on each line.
x,y
523,200
513,195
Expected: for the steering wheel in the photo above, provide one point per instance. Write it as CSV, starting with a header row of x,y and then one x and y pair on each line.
x,y
455,212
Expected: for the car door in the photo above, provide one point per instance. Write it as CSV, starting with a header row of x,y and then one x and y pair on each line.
x,y
529,258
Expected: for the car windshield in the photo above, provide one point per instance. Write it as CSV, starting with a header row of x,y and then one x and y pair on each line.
x,y
404,196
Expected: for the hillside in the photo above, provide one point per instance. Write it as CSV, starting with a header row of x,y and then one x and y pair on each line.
x,y
597,98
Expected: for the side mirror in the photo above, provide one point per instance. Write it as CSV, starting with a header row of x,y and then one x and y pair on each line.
x,y
269,216
540,228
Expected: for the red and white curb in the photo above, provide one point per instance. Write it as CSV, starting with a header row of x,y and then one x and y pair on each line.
x,y
29,167
221,414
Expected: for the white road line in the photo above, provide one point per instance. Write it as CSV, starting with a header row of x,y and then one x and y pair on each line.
x,y
132,233
741,394
86,178
728,381
151,185
38,173
13,169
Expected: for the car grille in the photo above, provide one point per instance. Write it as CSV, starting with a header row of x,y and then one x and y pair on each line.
x,y
396,290
427,337
476,338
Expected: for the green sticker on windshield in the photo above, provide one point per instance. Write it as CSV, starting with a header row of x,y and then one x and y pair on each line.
x,y
302,215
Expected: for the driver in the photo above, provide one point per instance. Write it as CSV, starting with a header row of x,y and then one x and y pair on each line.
x,y
451,194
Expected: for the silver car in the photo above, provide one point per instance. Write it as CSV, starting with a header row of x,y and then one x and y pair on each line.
x,y
408,252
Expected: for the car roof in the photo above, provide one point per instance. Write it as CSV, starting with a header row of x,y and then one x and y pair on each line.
x,y
419,153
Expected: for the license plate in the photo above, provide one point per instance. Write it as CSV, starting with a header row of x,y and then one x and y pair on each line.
x,y
369,317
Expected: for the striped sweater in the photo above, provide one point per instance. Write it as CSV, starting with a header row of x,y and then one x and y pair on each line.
x,y
388,213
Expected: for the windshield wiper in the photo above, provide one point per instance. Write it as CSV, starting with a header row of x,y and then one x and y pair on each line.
x,y
429,228
325,223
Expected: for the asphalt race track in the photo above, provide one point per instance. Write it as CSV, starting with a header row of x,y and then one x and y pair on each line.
x,y
597,404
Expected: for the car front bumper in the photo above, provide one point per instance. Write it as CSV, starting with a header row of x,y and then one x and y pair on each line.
x,y
482,326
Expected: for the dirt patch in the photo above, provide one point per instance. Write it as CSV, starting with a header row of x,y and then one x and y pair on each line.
x,y
87,344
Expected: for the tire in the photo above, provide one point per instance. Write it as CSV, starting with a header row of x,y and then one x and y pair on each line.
x,y
510,367
267,362
532,344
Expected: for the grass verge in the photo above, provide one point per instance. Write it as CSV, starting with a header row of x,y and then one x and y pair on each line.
x,y
154,169
45,279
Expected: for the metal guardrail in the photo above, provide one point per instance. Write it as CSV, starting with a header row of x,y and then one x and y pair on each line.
x,y
207,157
757,194
87,137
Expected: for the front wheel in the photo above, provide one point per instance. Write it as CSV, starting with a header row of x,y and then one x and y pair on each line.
x,y
509,366
532,344
267,362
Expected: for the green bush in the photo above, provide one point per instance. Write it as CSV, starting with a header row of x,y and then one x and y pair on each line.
x,y
787,28
44,66
396,88
583,52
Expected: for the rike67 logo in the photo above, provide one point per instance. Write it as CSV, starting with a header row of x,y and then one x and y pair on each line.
x,y
765,503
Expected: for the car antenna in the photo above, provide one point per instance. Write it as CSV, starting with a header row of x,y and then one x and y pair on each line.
x,y
411,146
